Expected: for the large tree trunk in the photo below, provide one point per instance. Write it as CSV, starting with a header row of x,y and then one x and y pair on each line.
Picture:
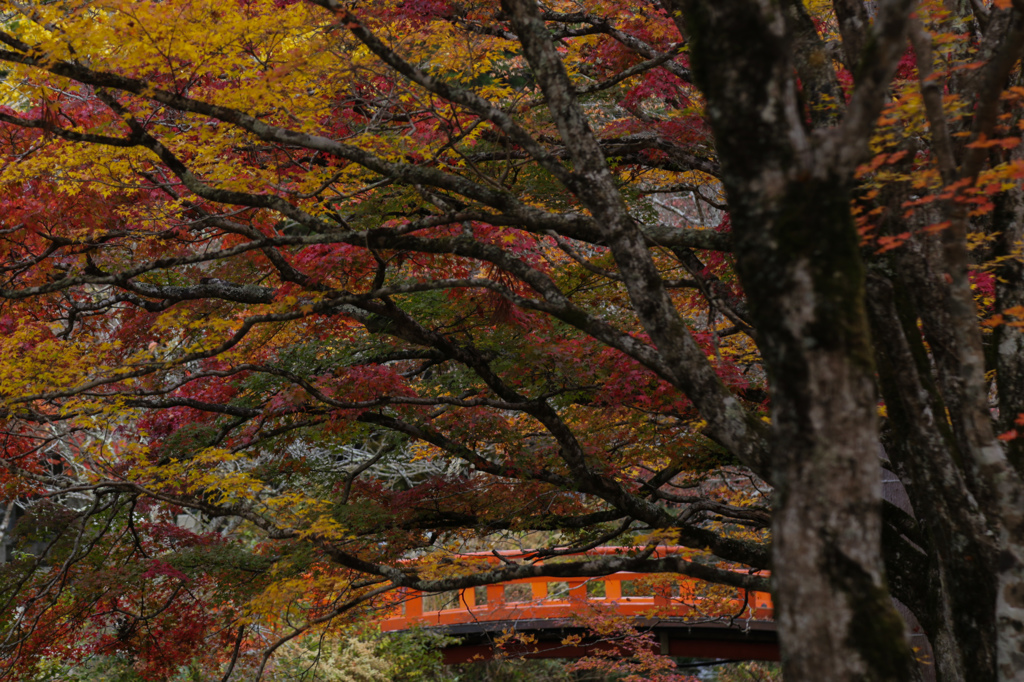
x,y
1009,345
798,257
802,272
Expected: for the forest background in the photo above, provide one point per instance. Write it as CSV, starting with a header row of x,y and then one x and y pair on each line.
x,y
302,300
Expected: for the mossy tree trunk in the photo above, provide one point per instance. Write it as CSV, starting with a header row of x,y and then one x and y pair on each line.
x,y
798,257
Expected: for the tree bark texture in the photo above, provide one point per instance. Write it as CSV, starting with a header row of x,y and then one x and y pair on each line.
x,y
798,257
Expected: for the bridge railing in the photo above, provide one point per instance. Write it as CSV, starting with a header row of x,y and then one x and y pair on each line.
x,y
629,594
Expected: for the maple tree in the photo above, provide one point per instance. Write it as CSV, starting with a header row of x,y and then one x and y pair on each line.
x,y
297,291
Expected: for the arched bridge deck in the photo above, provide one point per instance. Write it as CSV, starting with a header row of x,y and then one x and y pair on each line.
x,y
688,617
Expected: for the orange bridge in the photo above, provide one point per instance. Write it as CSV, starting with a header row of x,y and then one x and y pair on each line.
x,y
687,617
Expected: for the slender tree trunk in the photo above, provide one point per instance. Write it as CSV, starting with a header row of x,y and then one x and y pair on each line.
x,y
957,614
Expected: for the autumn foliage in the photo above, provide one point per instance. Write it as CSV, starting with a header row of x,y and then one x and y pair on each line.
x,y
302,300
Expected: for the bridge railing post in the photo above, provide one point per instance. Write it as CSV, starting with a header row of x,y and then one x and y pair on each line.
x,y
495,595
413,604
538,590
612,589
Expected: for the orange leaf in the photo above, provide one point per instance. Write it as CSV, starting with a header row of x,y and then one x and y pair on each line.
x,y
866,168
937,227
993,321
890,243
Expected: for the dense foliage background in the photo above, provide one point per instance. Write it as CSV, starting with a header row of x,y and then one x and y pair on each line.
x,y
305,300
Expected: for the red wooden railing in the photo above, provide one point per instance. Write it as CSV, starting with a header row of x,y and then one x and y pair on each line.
x,y
671,597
